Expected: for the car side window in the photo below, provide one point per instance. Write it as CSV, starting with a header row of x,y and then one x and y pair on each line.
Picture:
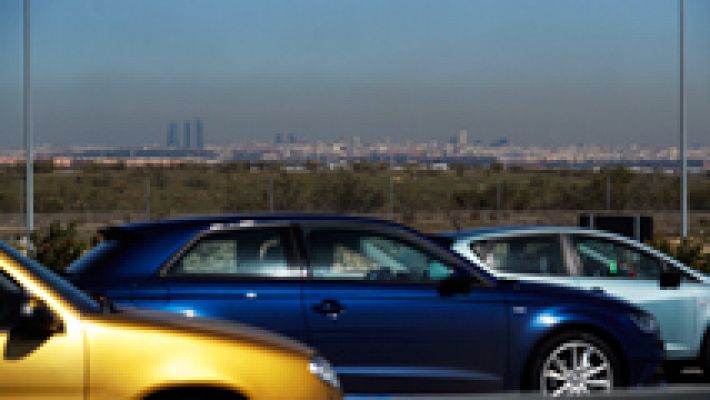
x,y
597,257
539,255
253,252
10,298
366,255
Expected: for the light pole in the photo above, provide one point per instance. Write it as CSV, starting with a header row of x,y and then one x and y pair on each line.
x,y
271,193
27,121
147,197
393,179
498,199
683,127
391,197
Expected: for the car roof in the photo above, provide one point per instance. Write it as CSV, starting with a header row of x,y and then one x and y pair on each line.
x,y
483,233
514,229
191,222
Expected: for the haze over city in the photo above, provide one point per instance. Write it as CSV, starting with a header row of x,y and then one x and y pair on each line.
x,y
544,72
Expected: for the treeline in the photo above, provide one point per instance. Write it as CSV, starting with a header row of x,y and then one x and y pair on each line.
x,y
365,188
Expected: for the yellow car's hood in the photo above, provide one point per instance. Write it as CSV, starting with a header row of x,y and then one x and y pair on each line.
x,y
176,323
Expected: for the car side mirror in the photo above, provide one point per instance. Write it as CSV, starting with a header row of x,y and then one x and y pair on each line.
x,y
454,284
35,319
670,279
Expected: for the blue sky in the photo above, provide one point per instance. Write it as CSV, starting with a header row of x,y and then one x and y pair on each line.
x,y
537,71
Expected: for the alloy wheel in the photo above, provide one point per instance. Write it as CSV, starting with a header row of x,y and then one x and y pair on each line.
x,y
576,368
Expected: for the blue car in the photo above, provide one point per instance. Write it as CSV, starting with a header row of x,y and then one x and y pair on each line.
x,y
393,311
678,296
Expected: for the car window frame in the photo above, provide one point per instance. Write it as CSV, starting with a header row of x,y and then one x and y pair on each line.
x,y
622,243
452,261
567,272
291,254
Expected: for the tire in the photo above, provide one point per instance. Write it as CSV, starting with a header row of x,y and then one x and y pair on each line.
x,y
574,363
705,357
196,394
673,372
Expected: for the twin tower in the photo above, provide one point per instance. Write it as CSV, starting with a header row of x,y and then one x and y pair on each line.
x,y
173,139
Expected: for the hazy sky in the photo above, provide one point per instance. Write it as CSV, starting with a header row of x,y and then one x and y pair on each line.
x,y
538,71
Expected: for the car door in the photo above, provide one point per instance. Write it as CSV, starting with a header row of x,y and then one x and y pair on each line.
x,y
629,272
34,366
373,308
528,256
246,274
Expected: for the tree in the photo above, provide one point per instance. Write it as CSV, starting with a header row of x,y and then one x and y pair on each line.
x,y
58,247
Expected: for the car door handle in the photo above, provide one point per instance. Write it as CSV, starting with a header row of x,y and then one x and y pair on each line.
x,y
329,308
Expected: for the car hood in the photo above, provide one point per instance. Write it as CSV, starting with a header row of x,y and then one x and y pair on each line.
x,y
560,293
206,328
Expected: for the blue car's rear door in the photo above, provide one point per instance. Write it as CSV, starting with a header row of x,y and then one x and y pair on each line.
x,y
247,275
372,308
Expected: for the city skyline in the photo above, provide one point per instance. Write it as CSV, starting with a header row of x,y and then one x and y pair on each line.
x,y
538,72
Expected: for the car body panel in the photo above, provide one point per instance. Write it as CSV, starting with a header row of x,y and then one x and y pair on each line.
x,y
96,354
683,312
381,334
391,336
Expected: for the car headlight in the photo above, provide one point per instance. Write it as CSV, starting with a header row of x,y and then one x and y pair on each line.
x,y
646,322
321,368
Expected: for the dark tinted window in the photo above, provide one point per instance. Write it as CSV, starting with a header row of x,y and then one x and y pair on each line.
x,y
367,255
261,252
607,258
70,293
10,298
443,241
541,255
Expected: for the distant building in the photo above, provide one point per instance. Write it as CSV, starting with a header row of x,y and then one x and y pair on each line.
x,y
279,138
173,140
292,138
199,135
186,135
500,142
463,138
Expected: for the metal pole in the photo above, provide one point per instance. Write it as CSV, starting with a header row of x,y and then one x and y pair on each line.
x,y
271,193
27,120
21,199
147,197
391,197
498,199
683,128
608,192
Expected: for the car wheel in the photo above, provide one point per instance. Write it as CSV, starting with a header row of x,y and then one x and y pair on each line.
x,y
705,357
574,364
196,394
672,371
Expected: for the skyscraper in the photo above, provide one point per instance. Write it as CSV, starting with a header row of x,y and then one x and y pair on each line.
x,y
463,138
173,141
199,135
186,135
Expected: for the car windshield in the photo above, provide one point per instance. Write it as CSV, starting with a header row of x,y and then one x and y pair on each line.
x,y
76,297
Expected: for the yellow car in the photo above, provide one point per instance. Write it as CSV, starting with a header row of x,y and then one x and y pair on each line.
x,y
58,343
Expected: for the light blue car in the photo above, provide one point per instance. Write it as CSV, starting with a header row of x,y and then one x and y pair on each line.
x,y
678,296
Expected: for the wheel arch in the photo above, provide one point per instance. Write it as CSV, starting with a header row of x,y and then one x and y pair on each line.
x,y
207,391
600,333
